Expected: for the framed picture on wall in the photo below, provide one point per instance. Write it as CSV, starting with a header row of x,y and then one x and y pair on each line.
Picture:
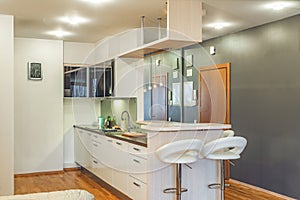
x,y
189,61
35,71
175,64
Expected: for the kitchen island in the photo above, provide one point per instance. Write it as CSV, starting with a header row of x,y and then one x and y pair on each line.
x,y
131,166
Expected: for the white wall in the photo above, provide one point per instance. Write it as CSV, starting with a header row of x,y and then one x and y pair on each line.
x,y
129,81
80,111
38,107
7,105
78,53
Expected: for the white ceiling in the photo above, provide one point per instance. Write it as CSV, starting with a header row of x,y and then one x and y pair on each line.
x,y
34,18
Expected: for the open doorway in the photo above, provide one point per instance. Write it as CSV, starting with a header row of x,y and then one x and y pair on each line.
x,y
159,98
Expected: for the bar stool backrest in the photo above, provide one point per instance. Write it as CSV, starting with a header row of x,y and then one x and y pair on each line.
x,y
224,148
182,151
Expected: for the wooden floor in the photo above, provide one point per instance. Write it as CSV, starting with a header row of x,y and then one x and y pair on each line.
x,y
61,181
79,180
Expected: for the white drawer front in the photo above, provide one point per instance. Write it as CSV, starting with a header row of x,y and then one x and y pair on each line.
x,y
137,189
138,167
138,150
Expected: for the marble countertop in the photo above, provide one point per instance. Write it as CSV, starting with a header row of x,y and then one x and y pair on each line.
x,y
165,126
142,141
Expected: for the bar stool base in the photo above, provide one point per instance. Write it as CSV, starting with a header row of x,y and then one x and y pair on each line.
x,y
173,190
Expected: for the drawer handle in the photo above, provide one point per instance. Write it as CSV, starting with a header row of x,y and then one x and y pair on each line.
x,y
109,140
89,134
136,149
118,143
138,185
94,161
136,161
95,145
96,136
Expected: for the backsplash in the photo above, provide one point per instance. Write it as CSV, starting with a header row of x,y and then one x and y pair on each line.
x,y
115,106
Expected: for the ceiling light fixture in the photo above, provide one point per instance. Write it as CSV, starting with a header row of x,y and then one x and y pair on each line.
x,y
59,33
278,5
96,1
219,25
73,20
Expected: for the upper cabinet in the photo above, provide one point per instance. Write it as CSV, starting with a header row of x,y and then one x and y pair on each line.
x,y
101,78
89,81
75,80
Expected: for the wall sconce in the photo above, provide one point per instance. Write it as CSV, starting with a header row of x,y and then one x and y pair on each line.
x,y
157,62
212,50
170,98
195,95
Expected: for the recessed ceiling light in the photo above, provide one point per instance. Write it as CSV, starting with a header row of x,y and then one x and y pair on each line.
x,y
219,25
59,33
278,5
74,20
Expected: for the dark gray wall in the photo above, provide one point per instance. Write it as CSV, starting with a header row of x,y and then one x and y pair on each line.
x,y
265,102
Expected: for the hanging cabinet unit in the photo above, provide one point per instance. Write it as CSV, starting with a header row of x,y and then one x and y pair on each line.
x,y
183,29
75,80
89,81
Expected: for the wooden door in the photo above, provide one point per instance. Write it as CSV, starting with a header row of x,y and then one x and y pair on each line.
x,y
159,98
214,94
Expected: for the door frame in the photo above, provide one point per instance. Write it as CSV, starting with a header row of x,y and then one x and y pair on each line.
x,y
218,66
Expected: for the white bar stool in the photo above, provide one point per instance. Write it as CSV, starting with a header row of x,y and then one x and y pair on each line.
x,y
178,153
226,148
228,133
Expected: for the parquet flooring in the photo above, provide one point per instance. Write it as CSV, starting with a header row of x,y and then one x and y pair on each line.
x,y
79,180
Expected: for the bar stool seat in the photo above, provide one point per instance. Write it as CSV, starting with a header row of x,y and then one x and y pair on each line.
x,y
226,148
178,153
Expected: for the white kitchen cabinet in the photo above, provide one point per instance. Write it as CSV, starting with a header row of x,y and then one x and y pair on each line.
x,y
120,165
138,168
82,148
100,150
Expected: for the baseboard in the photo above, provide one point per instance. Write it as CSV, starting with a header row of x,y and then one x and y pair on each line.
x,y
39,173
70,165
71,169
262,190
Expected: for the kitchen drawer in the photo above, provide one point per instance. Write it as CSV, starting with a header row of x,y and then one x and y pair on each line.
x,y
137,150
138,167
120,145
85,137
137,189
96,137
96,150
101,171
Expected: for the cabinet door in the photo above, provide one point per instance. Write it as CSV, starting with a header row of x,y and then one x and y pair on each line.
x,y
101,149
96,81
81,147
120,166
75,81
